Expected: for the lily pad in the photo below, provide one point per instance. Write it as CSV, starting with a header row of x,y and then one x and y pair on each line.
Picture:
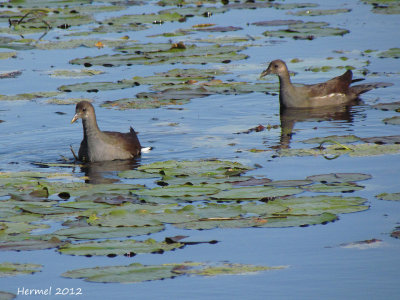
x,y
75,73
7,296
388,106
320,12
272,221
342,139
333,178
98,232
13,269
391,53
392,121
191,54
255,193
29,96
308,30
389,196
114,248
334,151
6,55
334,188
30,245
138,273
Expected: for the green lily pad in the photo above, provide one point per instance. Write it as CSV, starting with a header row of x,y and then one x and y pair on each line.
x,y
334,178
199,168
317,205
264,222
227,269
138,273
29,96
191,54
277,22
320,12
75,73
114,247
334,188
67,101
389,196
342,139
13,269
98,232
391,53
335,151
255,193
181,191
124,274
308,30
30,245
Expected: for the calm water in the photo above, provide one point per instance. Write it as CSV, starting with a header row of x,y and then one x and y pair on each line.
x,y
33,132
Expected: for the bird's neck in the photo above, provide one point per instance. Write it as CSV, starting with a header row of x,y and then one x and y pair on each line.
x,y
284,80
90,127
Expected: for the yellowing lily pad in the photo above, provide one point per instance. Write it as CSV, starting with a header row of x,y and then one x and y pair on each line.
x,y
12,269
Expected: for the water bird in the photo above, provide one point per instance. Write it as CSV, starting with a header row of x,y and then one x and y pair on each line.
x,y
100,145
336,91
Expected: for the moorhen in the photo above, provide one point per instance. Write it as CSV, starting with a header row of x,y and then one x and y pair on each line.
x,y
100,145
336,91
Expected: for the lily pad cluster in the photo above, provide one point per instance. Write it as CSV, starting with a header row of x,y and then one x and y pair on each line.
x,y
202,194
332,147
176,86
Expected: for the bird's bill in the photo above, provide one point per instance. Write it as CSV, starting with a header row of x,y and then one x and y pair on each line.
x,y
76,117
265,73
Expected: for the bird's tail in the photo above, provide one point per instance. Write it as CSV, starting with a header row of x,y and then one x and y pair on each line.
x,y
363,88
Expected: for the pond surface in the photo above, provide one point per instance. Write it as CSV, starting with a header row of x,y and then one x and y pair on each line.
x,y
354,257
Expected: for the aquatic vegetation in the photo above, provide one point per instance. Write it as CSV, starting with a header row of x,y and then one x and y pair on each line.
x,y
137,272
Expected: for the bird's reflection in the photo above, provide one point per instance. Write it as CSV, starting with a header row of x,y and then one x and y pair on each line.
x,y
290,116
101,172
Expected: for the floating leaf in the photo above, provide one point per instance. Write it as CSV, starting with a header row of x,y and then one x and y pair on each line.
x,y
191,55
333,178
388,106
308,30
138,273
342,139
389,196
7,296
320,12
356,150
334,188
98,232
113,247
29,245
392,121
12,269
255,193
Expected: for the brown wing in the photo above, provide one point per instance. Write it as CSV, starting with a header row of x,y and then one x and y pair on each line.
x,y
127,141
339,84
